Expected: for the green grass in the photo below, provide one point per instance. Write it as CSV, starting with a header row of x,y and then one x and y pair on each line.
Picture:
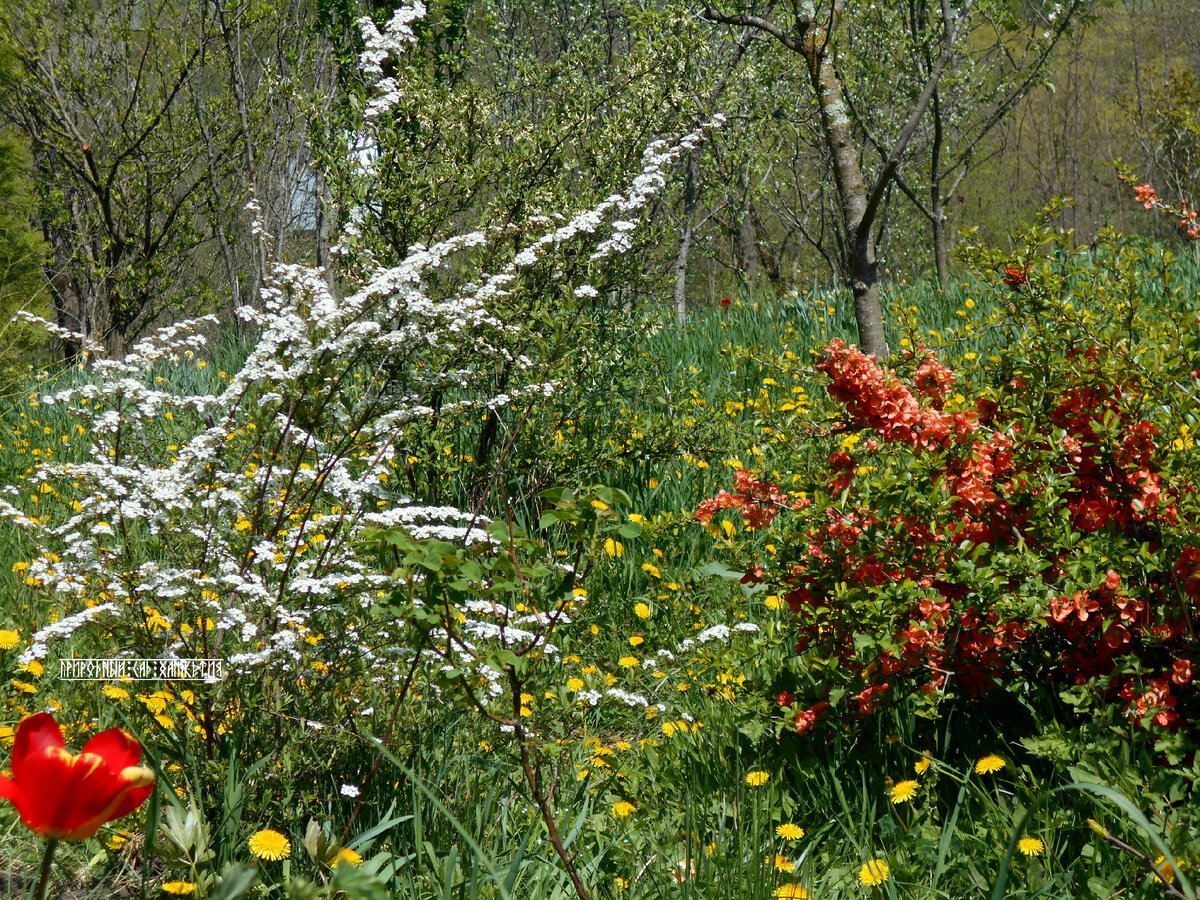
x,y
448,813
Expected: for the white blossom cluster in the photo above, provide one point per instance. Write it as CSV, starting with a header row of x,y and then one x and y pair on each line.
x,y
714,633
226,523
394,40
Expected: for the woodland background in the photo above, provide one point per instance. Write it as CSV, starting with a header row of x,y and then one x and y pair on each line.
x,y
136,134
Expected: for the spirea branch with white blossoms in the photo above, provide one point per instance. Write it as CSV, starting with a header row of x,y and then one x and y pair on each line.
x,y
224,523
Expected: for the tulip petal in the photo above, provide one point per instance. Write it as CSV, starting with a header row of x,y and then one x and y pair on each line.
x,y
116,745
101,793
35,735
12,792
47,780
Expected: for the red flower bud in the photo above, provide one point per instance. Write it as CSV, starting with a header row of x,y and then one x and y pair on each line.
x,y
1014,277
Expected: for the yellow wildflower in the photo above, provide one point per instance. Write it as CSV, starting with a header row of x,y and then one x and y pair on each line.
x,y
791,892
989,764
1031,846
904,791
873,872
270,845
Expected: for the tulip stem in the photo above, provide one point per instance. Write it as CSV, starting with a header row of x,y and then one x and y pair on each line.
x,y
44,877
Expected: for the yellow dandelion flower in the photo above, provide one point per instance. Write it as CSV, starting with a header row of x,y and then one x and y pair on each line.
x,y
623,810
642,611
791,892
600,505
789,832
156,705
1031,846
775,603
637,640
613,548
873,872
757,778
921,766
627,662
179,888
1166,871
9,639
783,864
903,791
119,840
575,684
989,764
621,883
346,855
270,845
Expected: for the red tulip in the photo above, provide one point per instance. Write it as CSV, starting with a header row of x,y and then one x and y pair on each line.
x,y
63,796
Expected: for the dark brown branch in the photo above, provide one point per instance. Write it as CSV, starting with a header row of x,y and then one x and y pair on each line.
x,y
788,39
893,159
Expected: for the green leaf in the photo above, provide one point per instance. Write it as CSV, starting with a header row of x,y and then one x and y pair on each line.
x,y
719,570
236,881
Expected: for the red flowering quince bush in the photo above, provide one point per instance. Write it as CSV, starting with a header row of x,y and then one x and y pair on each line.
x,y
1025,523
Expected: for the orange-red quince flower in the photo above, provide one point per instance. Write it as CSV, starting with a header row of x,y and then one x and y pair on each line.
x,y
65,796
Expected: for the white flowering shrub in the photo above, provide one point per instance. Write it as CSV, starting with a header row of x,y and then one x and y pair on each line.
x,y
229,523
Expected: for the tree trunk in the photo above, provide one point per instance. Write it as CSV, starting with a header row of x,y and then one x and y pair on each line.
x,y
868,305
941,246
685,242
681,264
766,254
941,257
859,264
65,296
748,247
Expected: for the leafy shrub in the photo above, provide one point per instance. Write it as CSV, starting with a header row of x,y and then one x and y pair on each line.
x,y
1023,522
